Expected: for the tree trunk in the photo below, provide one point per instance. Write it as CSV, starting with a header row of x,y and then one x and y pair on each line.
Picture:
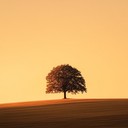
x,y
65,95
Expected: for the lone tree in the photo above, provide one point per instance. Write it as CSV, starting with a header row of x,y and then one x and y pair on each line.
x,y
65,78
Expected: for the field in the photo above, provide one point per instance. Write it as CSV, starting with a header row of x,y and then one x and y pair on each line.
x,y
69,113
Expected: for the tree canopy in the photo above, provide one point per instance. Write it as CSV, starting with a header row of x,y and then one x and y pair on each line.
x,y
65,78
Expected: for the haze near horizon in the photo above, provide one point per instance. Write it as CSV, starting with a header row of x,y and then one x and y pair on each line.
x,y
37,35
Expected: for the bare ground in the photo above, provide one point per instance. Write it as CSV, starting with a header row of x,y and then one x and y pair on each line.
x,y
70,113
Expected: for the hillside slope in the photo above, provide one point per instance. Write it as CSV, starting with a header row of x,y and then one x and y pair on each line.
x,y
66,113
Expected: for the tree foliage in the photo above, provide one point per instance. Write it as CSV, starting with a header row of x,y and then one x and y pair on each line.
x,y
65,78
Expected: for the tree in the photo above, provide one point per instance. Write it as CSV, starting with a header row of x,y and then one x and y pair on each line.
x,y
65,78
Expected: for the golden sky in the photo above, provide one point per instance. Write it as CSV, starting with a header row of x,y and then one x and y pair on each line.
x,y
37,35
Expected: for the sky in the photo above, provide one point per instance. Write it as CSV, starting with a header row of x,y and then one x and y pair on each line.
x,y
37,35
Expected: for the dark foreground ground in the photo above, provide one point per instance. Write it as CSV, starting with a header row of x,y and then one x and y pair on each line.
x,y
107,113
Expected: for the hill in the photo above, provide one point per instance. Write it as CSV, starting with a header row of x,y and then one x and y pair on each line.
x,y
65,113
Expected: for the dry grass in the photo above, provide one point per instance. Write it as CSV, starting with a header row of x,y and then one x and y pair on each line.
x,y
65,113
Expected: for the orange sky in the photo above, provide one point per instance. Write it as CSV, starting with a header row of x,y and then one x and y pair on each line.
x,y
36,35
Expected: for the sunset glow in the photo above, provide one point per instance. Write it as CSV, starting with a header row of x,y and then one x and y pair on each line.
x,y
37,35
